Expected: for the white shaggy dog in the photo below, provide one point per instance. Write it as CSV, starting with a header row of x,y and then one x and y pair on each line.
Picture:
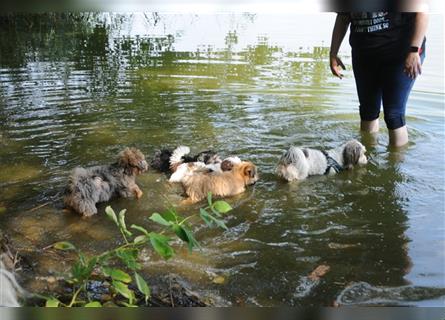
x,y
9,288
186,169
299,163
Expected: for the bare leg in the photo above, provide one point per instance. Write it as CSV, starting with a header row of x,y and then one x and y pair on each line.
x,y
398,137
370,126
369,132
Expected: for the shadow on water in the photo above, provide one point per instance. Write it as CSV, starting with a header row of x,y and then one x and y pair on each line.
x,y
76,88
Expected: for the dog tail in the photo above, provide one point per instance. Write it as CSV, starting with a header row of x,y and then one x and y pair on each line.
x,y
177,156
293,164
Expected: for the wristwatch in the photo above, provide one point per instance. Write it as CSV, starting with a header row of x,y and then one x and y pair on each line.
x,y
415,49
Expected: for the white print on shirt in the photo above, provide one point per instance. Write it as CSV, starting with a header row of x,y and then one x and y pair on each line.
x,y
366,22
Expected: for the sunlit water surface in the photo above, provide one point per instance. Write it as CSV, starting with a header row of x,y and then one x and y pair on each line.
x,y
249,85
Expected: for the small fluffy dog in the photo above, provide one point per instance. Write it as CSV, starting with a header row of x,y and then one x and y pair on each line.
x,y
299,163
88,186
163,159
220,184
183,169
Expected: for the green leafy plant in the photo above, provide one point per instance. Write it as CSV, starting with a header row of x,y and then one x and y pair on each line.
x,y
123,280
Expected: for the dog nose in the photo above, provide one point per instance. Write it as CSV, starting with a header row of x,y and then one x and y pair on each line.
x,y
144,165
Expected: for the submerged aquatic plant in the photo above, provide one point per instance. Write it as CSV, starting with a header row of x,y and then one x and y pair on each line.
x,y
102,266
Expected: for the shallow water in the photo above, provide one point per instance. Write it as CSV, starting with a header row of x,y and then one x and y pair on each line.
x,y
75,93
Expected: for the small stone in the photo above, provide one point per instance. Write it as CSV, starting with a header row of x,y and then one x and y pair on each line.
x,y
219,280
319,272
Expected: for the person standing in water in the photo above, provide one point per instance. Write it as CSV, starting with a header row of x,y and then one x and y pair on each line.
x,y
388,49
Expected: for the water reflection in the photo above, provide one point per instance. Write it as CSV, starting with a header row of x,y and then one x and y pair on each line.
x,y
75,89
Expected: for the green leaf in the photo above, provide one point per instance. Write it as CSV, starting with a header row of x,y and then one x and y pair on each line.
x,y
142,286
180,232
192,241
220,223
122,224
82,258
156,217
209,198
52,303
170,215
123,289
129,305
205,217
103,259
93,304
139,228
116,274
129,257
110,213
222,206
64,245
92,263
161,246
79,272
140,239
186,235
211,220
83,268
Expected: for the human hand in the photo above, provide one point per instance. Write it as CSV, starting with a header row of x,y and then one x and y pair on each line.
x,y
336,65
413,66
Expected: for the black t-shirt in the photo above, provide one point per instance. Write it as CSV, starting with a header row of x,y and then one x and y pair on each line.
x,y
387,34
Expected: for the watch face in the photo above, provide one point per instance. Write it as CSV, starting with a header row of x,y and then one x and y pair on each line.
x,y
414,49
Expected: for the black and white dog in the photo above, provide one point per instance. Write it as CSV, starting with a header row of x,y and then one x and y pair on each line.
x,y
299,163
168,160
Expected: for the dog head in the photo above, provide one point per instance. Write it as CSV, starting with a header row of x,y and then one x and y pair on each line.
x,y
133,161
353,154
293,164
248,172
161,160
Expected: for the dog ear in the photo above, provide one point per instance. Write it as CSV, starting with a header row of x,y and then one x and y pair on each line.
x,y
351,153
226,165
249,170
130,159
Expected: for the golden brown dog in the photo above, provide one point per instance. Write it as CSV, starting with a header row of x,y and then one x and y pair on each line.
x,y
220,184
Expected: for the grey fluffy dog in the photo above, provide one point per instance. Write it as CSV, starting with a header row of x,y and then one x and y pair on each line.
x,y
88,186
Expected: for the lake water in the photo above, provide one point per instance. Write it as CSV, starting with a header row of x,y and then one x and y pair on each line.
x,y
76,92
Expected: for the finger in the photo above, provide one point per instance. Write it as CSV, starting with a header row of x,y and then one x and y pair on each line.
x,y
341,63
337,72
415,71
411,72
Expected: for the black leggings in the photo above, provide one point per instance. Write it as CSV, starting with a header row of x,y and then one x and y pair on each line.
x,y
379,80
